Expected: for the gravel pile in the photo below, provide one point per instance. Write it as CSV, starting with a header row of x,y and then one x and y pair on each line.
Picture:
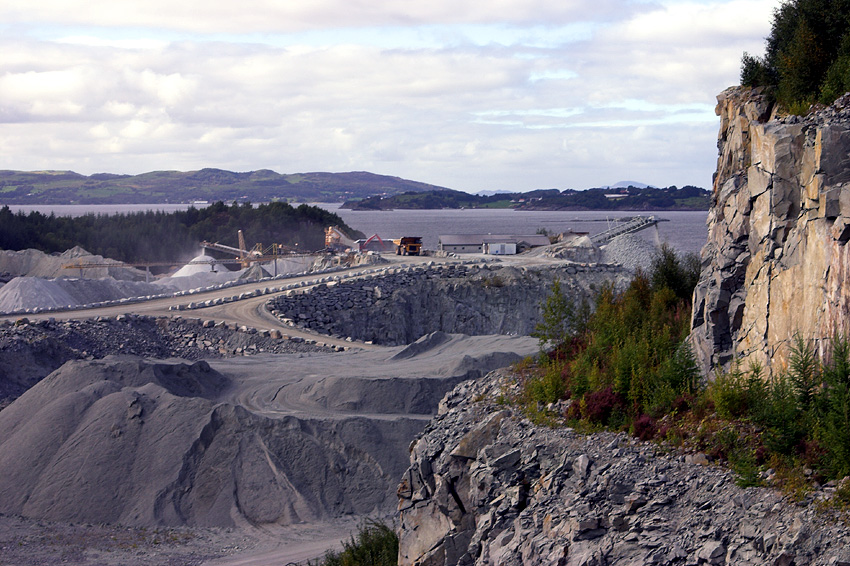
x,y
35,263
34,292
631,251
28,352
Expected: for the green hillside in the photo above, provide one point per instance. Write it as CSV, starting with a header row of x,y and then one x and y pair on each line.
x,y
67,187
629,198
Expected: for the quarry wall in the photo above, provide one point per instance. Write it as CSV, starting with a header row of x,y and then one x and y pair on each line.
x,y
401,305
777,257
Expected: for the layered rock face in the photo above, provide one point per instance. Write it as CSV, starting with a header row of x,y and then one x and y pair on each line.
x,y
776,258
400,306
487,487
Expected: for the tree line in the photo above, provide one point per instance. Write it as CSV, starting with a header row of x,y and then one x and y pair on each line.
x,y
153,236
807,56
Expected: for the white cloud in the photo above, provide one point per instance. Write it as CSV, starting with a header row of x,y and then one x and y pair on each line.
x,y
538,94
248,16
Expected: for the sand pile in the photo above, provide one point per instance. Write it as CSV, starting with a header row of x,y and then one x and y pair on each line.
x,y
198,264
23,293
254,273
130,442
580,249
34,263
261,440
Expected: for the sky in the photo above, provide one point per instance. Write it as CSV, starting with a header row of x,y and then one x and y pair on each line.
x,y
498,95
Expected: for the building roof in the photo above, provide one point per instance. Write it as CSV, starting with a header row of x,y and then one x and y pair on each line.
x,y
480,239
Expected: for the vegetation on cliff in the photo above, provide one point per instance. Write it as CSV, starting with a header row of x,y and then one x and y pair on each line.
x,y
159,236
629,198
627,366
807,56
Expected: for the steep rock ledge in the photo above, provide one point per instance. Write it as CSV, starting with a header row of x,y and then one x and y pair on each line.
x,y
487,487
400,306
776,257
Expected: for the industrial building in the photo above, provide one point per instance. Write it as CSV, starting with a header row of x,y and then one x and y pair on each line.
x,y
494,244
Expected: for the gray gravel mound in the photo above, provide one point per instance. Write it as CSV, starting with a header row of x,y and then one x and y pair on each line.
x,y
33,292
35,263
29,352
631,251
248,440
137,443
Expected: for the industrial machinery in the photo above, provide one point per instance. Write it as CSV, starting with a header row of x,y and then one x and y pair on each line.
x,y
244,257
408,245
337,240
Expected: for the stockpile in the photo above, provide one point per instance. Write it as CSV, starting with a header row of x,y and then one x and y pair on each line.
x,y
631,251
28,352
23,293
34,263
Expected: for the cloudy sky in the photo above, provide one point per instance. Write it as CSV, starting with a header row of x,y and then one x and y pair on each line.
x,y
472,95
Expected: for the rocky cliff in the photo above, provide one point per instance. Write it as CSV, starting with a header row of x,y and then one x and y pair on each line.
x,y
777,254
485,486
400,305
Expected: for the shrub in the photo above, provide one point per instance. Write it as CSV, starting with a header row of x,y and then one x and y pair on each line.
x,y
604,406
546,386
644,427
835,407
376,545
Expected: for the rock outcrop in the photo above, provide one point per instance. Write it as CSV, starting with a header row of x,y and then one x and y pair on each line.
x,y
399,306
777,255
487,487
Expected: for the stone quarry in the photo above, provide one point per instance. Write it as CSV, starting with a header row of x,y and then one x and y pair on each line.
x,y
777,257
399,306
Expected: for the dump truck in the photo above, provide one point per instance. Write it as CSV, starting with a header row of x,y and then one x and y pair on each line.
x,y
408,245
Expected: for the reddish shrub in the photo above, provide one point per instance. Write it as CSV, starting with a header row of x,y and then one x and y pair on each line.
x,y
811,452
644,427
683,403
600,405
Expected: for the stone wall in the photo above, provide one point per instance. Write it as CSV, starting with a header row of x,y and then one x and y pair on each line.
x,y
776,257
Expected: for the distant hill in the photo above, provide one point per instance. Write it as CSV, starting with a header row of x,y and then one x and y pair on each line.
x,y
67,187
626,198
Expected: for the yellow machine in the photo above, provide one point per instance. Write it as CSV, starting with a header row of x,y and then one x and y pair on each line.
x,y
408,245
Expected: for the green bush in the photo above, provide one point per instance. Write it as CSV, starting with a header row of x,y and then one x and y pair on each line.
x,y
630,348
562,317
834,403
376,545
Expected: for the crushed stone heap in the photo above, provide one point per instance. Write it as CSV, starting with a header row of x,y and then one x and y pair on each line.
x,y
126,441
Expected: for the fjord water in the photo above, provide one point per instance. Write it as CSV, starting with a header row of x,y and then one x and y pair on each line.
x,y
684,230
